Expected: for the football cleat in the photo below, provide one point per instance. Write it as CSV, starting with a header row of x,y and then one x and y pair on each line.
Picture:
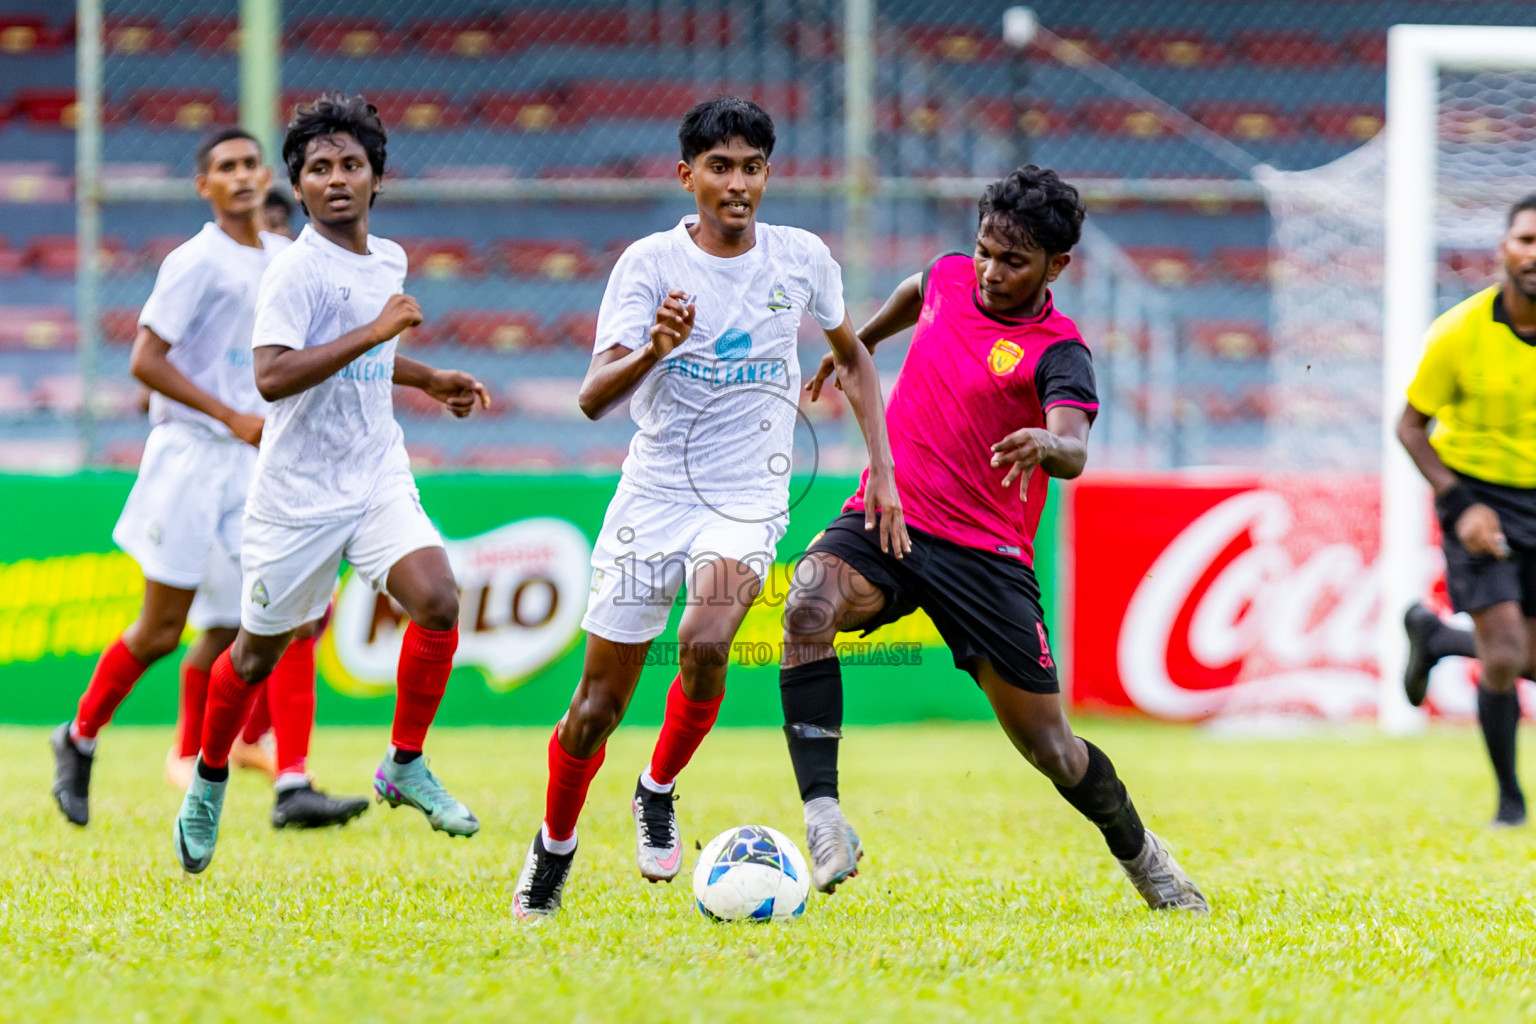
x,y
834,845
197,823
71,776
413,785
658,846
1511,813
1160,880
260,756
178,769
541,883
1420,624
306,807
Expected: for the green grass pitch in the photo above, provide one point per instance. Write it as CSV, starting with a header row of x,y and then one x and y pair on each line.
x,y
1352,878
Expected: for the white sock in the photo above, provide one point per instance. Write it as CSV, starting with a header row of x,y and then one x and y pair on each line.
x,y
654,786
85,746
819,806
290,780
559,847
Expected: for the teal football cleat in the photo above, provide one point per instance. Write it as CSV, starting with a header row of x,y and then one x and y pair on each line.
x,y
411,784
197,823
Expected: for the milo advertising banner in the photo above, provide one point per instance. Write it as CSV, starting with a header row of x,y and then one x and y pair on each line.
x,y
520,548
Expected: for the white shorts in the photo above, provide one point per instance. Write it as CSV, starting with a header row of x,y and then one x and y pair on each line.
x,y
182,520
289,572
648,546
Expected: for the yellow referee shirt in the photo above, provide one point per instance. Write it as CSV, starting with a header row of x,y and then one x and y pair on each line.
x,y
1478,380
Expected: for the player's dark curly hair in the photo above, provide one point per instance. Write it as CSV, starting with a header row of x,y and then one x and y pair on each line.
x,y
1520,206
712,122
1035,208
331,114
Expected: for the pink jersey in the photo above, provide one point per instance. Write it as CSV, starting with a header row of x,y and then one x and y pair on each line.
x,y
971,378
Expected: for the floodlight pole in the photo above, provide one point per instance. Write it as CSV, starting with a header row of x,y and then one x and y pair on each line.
x,y
261,71
88,118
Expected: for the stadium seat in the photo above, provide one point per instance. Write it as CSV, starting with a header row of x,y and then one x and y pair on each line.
x,y
576,329
417,110
1071,43
46,106
603,457
1004,116
120,325
33,181
1171,266
812,42
15,397
426,456
533,111
1242,264
1249,121
500,330
1229,339
416,402
588,26
1368,48
1344,122
1170,47
154,251
62,393
187,109
212,35
636,100
1213,404
442,258
56,254
1120,117
347,37
556,258
13,262
460,37
1271,49
37,327
123,454
124,35
548,398
30,33
957,44
514,456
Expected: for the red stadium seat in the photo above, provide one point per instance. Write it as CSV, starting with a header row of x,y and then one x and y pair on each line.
x,y
460,37
120,325
1250,121
1243,264
1003,116
415,402
417,110
154,251
1368,48
1174,48
605,457
13,262
46,106
440,258
212,35
534,111
29,33
347,37
634,99
589,26
132,36
1476,267
1070,45
1229,339
1171,266
188,109
15,397
500,330
1120,117
558,258
550,398
426,456
1345,122
55,254
37,328
514,456
123,454
957,44
1213,404
576,329
1271,49
813,42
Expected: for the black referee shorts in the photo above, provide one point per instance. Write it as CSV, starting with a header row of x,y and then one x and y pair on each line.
x,y
1476,582
985,605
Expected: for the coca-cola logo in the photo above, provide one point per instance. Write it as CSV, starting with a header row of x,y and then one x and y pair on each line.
x,y
1285,618
522,592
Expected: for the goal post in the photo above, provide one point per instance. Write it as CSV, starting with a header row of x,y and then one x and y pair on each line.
x,y
1415,210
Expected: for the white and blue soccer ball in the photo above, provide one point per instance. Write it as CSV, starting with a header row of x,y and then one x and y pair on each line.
x,y
751,873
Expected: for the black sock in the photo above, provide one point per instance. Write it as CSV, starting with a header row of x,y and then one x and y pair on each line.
x,y
1101,798
812,695
406,756
1499,715
212,774
1451,642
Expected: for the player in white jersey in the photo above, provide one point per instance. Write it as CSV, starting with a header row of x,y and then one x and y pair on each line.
x,y
333,480
699,327
181,522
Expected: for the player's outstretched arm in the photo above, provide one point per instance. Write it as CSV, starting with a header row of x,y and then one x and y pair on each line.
x,y
282,371
151,363
900,311
861,382
617,370
459,391
1477,526
1061,448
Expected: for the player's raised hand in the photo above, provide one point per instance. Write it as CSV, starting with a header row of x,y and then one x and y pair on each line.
x,y
880,496
674,323
1481,533
459,391
246,427
1022,451
400,312
828,368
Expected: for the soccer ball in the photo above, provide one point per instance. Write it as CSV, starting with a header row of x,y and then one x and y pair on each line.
x,y
751,873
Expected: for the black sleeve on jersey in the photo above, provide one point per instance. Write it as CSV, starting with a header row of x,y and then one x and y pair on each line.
x,y
1065,374
931,263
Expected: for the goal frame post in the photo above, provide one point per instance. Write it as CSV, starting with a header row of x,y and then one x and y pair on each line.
x,y
1416,55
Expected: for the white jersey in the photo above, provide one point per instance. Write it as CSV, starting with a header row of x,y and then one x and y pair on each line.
x,y
717,416
204,305
326,450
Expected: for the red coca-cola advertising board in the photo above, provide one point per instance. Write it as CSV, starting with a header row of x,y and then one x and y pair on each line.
x,y
1196,596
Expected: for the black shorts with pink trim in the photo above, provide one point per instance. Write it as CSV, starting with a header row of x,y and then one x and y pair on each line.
x,y
985,605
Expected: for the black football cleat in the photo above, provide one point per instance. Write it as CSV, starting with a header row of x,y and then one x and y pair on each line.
x,y
71,776
307,807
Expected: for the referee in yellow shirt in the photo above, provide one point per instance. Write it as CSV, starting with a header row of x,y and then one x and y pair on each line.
x,y
1478,383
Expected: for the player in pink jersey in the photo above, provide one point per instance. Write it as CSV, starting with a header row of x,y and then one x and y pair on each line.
x,y
997,389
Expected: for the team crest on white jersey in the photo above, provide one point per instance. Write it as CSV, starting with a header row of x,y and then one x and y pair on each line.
x,y
259,594
778,299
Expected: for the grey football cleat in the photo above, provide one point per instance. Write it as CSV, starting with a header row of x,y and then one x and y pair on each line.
x,y
1160,880
541,883
71,777
834,845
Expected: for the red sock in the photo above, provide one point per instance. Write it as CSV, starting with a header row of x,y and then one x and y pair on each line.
x,y
291,698
684,728
229,705
569,777
113,679
194,699
260,719
426,659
